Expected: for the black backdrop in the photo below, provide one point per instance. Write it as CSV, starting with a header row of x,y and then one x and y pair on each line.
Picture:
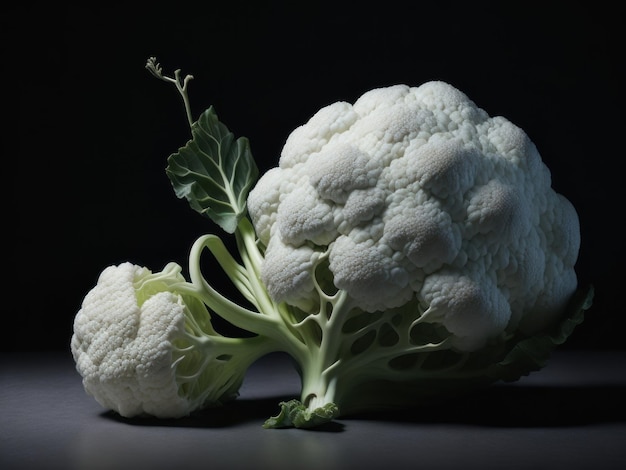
x,y
94,128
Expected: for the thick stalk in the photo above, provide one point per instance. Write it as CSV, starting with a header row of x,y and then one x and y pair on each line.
x,y
319,379
268,320
252,259
229,310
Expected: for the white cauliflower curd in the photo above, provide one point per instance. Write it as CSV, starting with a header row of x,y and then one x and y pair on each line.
x,y
144,345
415,192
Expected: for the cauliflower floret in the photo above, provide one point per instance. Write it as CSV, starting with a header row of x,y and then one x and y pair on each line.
x,y
288,271
424,188
366,270
142,347
468,304
310,138
341,170
424,233
129,369
266,208
444,167
303,215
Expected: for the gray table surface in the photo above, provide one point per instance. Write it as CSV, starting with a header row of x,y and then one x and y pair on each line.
x,y
570,415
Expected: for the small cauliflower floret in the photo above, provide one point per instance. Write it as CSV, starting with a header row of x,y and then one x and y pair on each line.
x,y
341,170
498,210
444,167
372,101
423,187
264,201
327,122
424,233
303,216
472,309
367,272
123,367
363,205
561,229
143,348
288,272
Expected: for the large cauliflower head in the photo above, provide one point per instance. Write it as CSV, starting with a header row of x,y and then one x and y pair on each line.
x,y
415,193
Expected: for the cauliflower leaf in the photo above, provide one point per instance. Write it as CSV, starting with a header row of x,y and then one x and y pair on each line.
x,y
214,171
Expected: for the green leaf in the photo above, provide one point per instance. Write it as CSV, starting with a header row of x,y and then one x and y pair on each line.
x,y
214,172
294,414
532,354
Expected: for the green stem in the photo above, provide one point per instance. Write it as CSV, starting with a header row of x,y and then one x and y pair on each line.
x,y
235,272
229,310
181,85
319,380
182,89
267,321
253,259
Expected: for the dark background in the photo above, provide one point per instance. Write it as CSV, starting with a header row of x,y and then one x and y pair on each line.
x,y
86,165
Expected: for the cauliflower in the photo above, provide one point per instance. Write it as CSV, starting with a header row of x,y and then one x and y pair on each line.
x,y
145,346
416,193
407,247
